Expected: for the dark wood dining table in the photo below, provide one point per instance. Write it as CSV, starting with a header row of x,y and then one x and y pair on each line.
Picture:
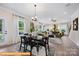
x,y
33,41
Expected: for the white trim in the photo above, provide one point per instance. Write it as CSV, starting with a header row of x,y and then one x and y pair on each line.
x,y
4,29
18,26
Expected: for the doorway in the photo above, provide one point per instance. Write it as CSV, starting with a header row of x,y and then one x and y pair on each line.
x,y
3,30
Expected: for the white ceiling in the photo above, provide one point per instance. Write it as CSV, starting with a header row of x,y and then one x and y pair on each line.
x,y
44,10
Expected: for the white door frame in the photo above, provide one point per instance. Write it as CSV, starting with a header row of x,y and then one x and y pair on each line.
x,y
18,26
4,29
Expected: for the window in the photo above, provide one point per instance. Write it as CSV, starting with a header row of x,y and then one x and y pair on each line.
x,y
21,26
1,35
63,27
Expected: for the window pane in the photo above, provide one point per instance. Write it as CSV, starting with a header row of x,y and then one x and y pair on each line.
x,y
21,24
0,26
0,30
21,27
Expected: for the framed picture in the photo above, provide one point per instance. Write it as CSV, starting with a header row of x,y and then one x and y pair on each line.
x,y
75,24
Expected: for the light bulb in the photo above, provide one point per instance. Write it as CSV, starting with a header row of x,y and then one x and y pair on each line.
x,y
32,18
35,16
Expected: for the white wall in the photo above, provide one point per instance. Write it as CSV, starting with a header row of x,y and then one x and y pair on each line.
x,y
11,25
74,35
8,18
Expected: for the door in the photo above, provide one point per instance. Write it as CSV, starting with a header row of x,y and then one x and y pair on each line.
x,y
3,30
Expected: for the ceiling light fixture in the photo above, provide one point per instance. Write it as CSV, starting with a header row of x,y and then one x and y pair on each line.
x,y
35,17
54,19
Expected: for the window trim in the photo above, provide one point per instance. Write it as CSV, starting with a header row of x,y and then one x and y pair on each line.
x,y
23,20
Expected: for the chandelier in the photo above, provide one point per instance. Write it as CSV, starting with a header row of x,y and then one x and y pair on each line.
x,y
35,17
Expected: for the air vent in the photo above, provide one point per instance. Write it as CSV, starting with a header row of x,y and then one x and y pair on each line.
x,y
68,4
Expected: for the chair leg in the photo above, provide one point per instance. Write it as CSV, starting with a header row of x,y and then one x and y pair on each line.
x,y
37,48
20,47
24,48
31,50
46,50
31,53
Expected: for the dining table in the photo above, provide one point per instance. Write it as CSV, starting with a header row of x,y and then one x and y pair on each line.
x,y
37,41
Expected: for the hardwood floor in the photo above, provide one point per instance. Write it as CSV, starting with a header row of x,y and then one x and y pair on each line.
x,y
64,48
10,48
58,47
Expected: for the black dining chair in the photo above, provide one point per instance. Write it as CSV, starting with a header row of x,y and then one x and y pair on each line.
x,y
33,43
23,43
27,41
42,42
45,43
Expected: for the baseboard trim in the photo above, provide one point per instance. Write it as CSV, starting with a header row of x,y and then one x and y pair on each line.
x,y
8,45
75,44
